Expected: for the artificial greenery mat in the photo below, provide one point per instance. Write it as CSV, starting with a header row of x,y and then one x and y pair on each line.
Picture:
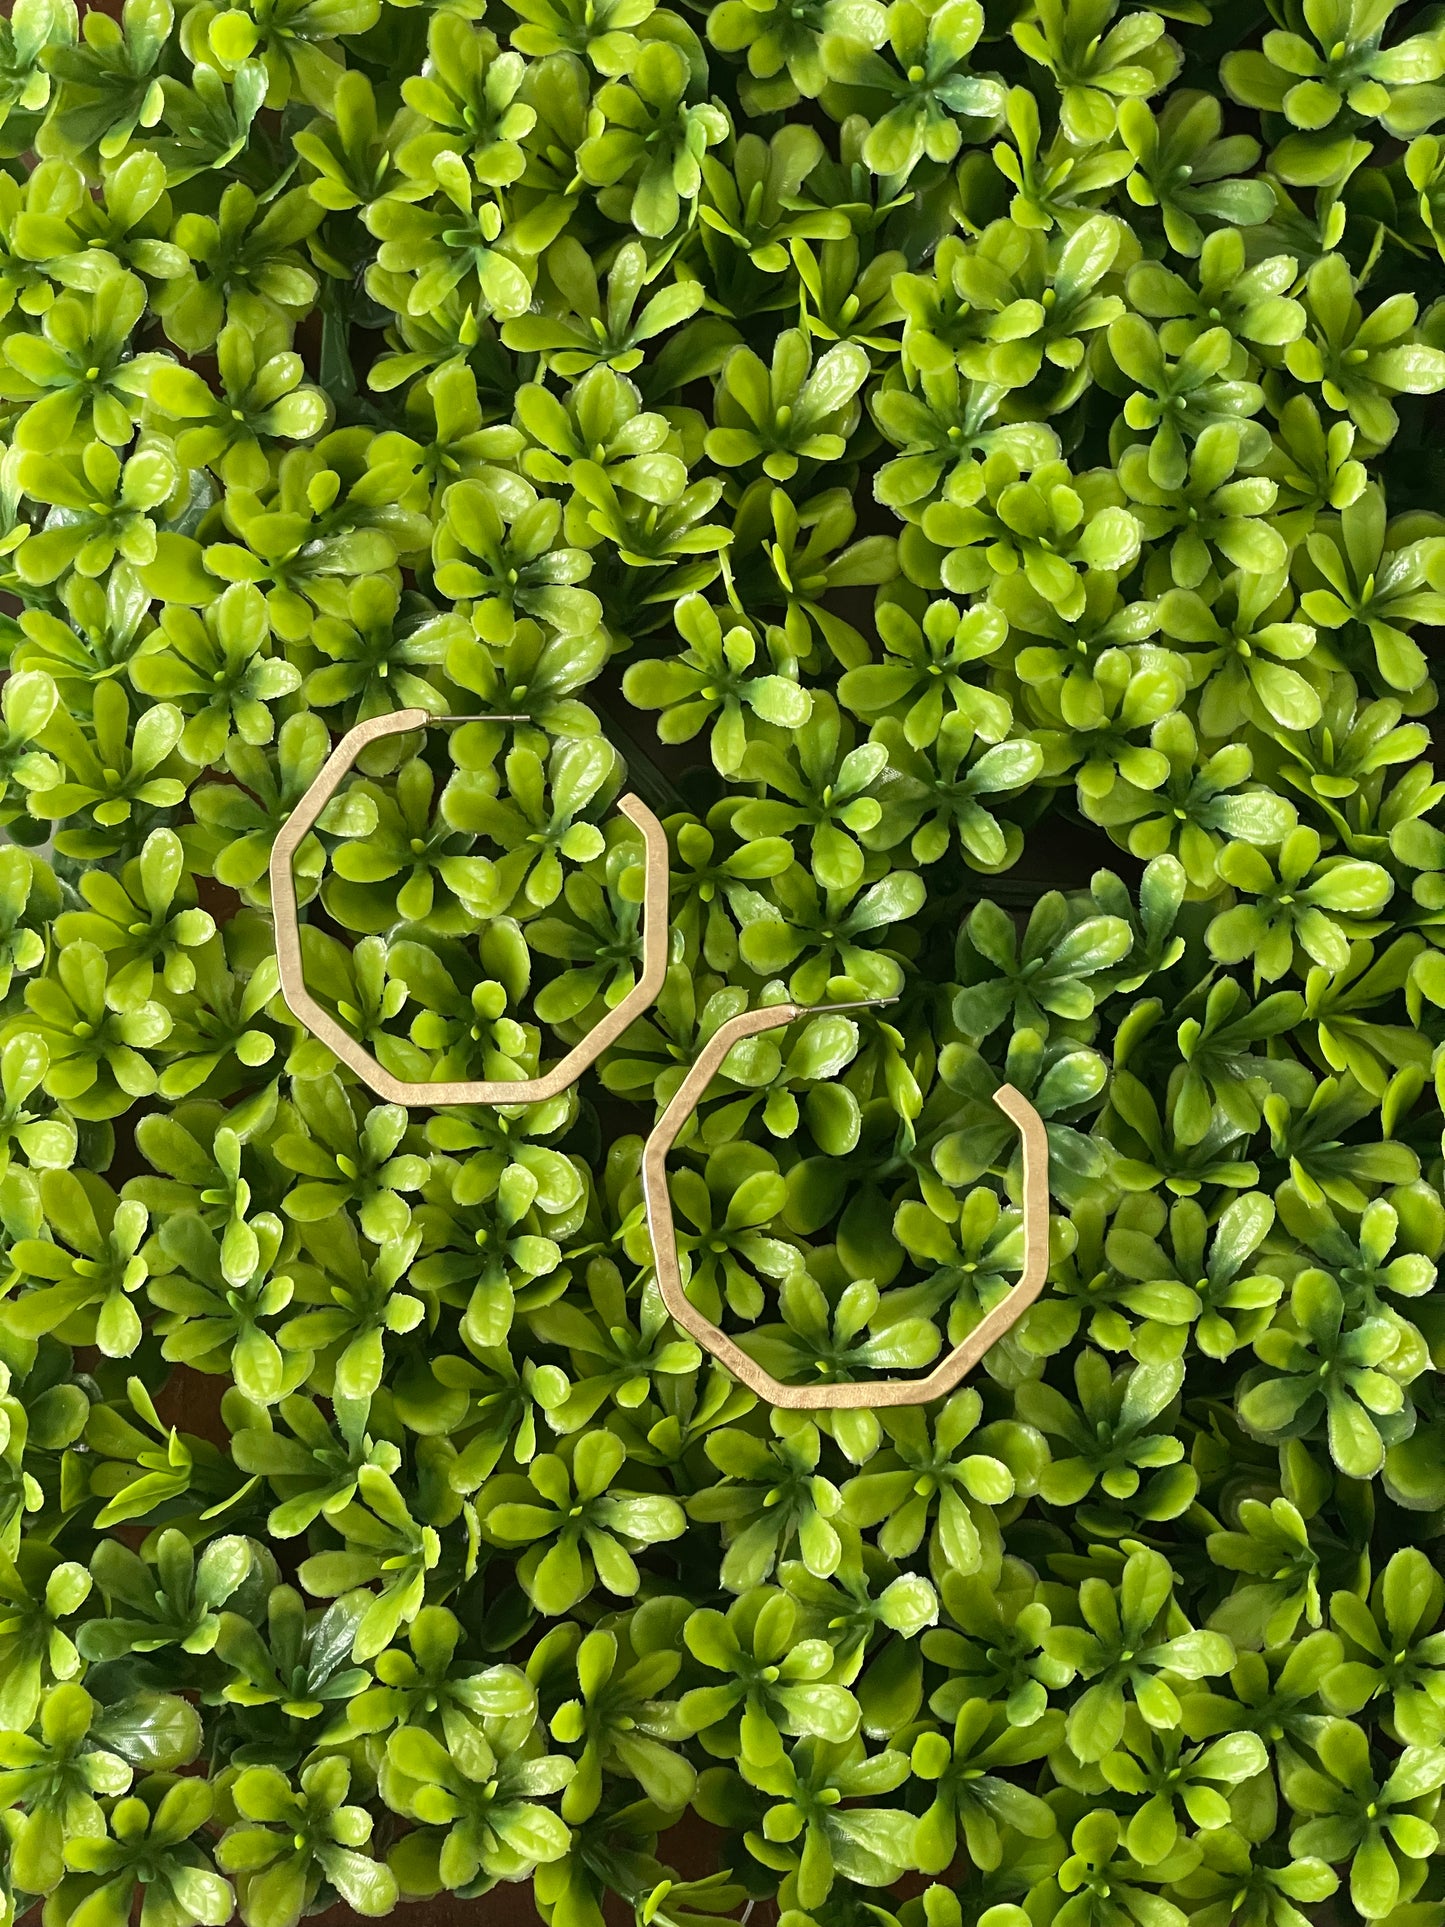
x,y
971,471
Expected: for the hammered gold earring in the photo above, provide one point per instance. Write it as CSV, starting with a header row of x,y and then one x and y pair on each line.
x,y
813,1398
395,1090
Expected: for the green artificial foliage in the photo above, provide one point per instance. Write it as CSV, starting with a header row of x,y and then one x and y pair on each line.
x,y
974,468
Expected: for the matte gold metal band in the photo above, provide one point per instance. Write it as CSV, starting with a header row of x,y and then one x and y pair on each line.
x,y
835,1397
396,1090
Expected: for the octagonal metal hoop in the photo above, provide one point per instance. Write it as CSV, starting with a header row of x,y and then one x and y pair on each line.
x,y
877,1392
395,1090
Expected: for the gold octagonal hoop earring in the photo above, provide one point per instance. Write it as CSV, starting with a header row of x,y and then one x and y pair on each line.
x,y
877,1392
395,1090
